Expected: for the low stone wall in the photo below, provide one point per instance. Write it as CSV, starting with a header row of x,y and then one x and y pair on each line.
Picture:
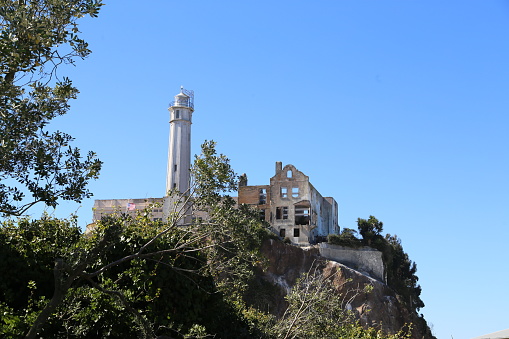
x,y
365,259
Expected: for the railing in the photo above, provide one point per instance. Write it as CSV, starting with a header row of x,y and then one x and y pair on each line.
x,y
181,103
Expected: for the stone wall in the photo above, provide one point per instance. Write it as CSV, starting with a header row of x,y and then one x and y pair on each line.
x,y
365,259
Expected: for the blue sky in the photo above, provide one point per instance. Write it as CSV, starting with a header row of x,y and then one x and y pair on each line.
x,y
397,109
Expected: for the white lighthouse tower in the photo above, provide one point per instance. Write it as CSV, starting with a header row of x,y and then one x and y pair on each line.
x,y
179,150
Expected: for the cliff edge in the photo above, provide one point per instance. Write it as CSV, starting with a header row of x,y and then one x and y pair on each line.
x,y
380,308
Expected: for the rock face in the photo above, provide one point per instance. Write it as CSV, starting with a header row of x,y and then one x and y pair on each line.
x,y
380,308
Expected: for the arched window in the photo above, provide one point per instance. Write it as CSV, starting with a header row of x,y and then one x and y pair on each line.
x,y
289,174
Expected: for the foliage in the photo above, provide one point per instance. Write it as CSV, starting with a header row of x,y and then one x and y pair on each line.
x,y
347,238
402,277
212,176
28,250
169,289
136,277
400,270
316,310
369,228
36,37
402,273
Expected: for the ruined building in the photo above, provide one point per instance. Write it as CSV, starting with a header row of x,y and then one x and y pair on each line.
x,y
293,207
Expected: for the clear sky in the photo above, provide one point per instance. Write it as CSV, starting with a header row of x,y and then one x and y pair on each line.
x,y
396,108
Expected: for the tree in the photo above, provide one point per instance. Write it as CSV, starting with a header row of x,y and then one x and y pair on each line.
x,y
37,36
165,293
399,269
28,250
141,276
369,229
401,272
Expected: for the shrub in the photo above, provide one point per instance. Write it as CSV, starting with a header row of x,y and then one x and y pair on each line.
x,y
346,238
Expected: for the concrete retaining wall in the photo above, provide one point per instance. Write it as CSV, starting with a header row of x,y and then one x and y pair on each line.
x,y
365,259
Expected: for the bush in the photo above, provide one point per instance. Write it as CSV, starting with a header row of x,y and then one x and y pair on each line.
x,y
346,238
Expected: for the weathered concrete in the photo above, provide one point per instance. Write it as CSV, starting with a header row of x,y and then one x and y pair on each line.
x,y
365,259
128,206
292,206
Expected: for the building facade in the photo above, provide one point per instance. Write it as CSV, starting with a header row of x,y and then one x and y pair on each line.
x,y
292,206
128,206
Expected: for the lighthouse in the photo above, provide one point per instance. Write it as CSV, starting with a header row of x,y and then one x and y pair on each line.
x,y
179,150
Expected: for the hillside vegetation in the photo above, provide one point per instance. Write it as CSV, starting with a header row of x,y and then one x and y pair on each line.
x,y
135,277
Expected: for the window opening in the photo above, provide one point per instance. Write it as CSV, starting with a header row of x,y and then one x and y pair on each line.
x,y
282,233
295,192
175,168
301,215
296,232
289,174
284,192
282,212
262,199
177,114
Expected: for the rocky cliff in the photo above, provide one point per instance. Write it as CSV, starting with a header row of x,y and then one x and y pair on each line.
x,y
381,307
